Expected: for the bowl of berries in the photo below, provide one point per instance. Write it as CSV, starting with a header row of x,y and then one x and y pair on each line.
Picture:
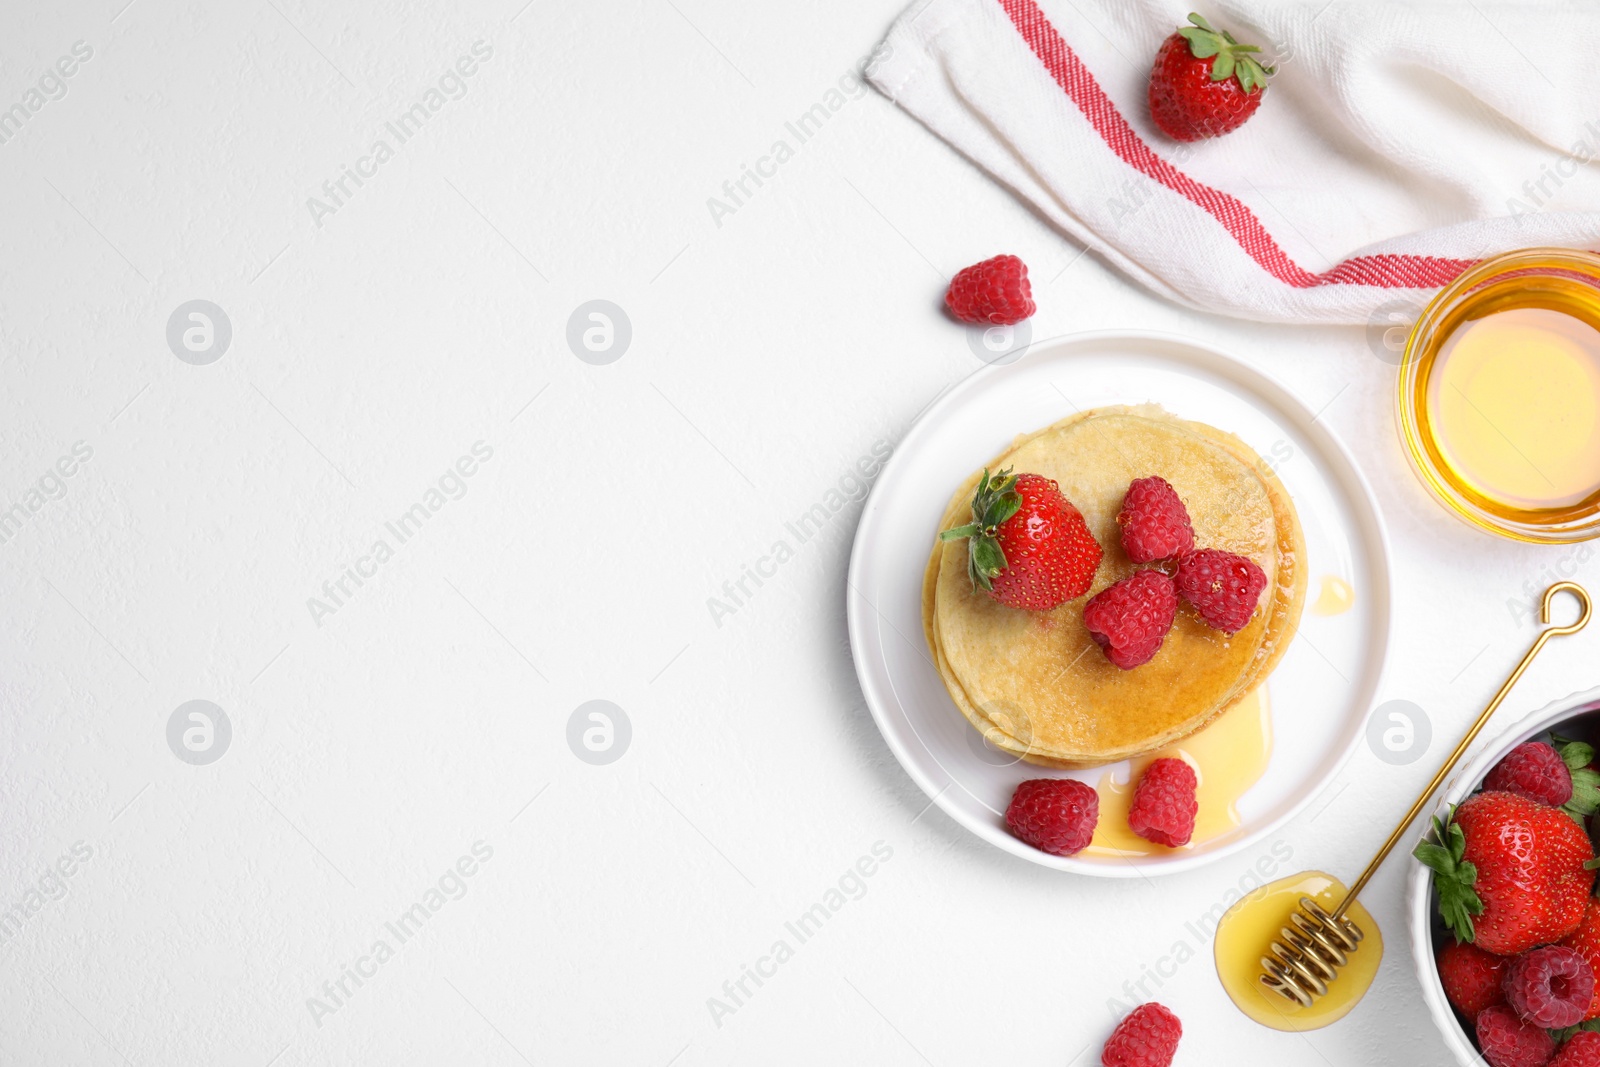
x,y
1505,927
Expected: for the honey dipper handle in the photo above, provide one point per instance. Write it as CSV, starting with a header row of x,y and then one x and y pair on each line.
x,y
1584,611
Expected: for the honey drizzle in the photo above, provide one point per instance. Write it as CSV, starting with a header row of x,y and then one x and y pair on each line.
x,y
1229,756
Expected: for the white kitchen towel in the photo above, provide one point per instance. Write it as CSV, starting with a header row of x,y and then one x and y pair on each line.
x,y
1397,144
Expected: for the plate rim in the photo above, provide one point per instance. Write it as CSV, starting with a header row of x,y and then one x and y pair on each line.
x,y
1260,382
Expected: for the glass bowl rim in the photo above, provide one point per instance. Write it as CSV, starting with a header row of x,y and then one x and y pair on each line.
x,y
1546,260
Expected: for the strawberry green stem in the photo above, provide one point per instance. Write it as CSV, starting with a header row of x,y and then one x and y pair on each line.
x,y
994,502
1454,879
1233,60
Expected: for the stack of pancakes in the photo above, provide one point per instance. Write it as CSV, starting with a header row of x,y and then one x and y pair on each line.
x,y
1035,683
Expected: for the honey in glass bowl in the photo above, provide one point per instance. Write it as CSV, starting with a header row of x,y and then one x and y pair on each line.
x,y
1500,395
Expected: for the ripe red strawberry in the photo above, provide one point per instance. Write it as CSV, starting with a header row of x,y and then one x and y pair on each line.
x,y
1205,83
1224,587
1581,1050
1550,986
1533,770
1164,804
1054,815
1585,940
992,293
1155,524
1130,619
1471,977
1507,1041
1146,1037
1515,865
1029,548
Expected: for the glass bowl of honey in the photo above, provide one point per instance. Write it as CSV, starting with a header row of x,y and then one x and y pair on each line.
x,y
1499,402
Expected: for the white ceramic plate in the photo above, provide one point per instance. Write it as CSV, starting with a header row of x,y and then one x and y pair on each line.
x,y
1320,693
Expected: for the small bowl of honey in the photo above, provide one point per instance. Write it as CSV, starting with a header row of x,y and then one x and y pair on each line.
x,y
1499,400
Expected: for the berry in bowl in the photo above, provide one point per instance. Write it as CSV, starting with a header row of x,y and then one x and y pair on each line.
x,y
1505,926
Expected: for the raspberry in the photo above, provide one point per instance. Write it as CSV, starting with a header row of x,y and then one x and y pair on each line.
x,y
1155,524
1550,986
1055,815
1533,770
1164,805
1130,619
992,293
1146,1037
1223,587
1471,977
1581,1050
1507,1041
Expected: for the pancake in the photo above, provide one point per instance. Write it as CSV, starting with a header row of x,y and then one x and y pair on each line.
x,y
1035,683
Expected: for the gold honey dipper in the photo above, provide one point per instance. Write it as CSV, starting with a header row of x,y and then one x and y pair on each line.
x,y
1314,944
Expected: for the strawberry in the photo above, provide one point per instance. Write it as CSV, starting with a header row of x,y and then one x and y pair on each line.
x,y
1205,83
1510,873
1027,547
1585,940
1471,977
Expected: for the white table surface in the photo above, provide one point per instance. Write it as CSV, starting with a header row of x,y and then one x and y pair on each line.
x,y
374,745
